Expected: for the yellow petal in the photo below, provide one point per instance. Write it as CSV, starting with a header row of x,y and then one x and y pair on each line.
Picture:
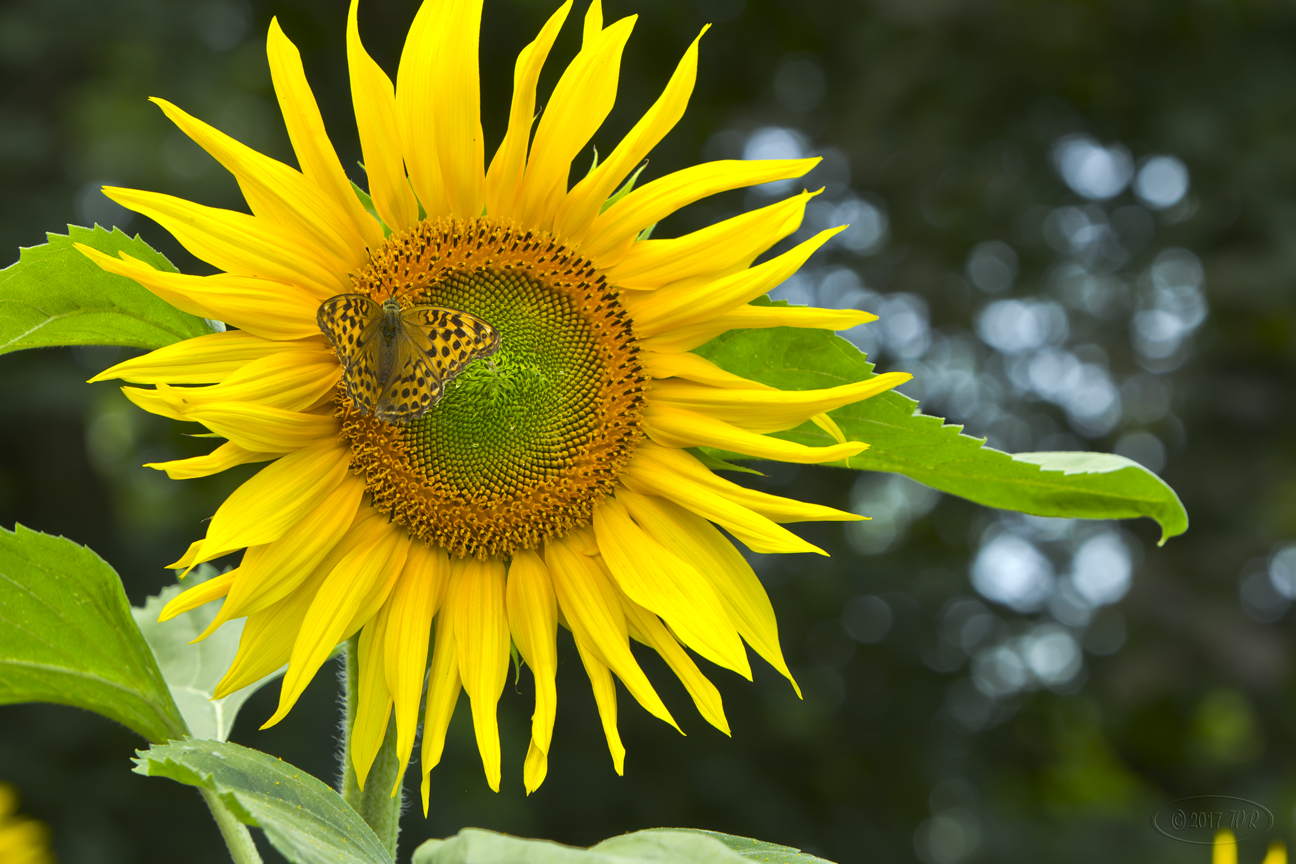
x,y
292,380
593,22
694,539
224,457
1277,853
373,701
267,640
684,465
276,192
382,587
660,581
533,621
459,141
414,600
767,410
582,204
671,426
827,424
438,99
580,102
203,592
262,428
374,100
241,244
536,767
275,499
691,367
659,471
648,629
1225,849
264,646
690,336
717,250
266,308
201,360
694,368
504,177
475,602
615,229
275,570
346,593
605,698
186,561
310,141
590,605
661,310
442,694
418,94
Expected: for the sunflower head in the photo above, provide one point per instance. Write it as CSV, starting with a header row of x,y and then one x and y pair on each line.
x,y
549,483
521,449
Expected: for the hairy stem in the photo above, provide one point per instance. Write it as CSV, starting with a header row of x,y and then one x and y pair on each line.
x,y
375,803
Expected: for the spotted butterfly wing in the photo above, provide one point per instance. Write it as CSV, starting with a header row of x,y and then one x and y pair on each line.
x,y
396,361
353,323
432,345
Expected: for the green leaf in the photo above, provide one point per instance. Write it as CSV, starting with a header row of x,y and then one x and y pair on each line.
x,y
55,296
193,671
670,844
904,441
710,459
626,188
759,850
476,846
367,201
307,821
678,846
67,636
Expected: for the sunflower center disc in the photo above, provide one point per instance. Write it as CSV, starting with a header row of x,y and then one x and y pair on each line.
x,y
523,445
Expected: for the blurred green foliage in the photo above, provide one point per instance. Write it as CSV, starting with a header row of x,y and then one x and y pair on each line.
x,y
947,125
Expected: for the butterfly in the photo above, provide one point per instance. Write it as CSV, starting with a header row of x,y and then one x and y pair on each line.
x,y
396,362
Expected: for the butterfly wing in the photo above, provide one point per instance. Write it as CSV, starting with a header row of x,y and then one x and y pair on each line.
x,y
432,346
353,323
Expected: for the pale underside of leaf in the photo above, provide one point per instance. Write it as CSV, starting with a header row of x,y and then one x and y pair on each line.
x,y
306,820
658,845
192,671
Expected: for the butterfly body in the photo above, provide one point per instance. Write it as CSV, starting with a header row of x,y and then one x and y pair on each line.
x,y
397,361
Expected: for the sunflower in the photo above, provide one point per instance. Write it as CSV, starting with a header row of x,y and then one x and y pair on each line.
x,y
551,483
22,840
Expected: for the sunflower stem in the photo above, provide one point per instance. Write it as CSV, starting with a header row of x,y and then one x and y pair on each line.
x,y
236,835
375,803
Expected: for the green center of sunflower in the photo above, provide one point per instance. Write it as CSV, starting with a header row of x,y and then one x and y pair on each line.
x,y
521,446
508,422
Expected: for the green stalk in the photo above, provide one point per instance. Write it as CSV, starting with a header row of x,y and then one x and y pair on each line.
x,y
376,805
242,849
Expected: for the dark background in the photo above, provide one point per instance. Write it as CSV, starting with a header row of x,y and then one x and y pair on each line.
x,y
1036,713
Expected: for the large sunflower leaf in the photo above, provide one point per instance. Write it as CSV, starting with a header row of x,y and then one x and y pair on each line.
x,y
306,820
657,845
67,636
192,671
905,441
756,850
53,295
